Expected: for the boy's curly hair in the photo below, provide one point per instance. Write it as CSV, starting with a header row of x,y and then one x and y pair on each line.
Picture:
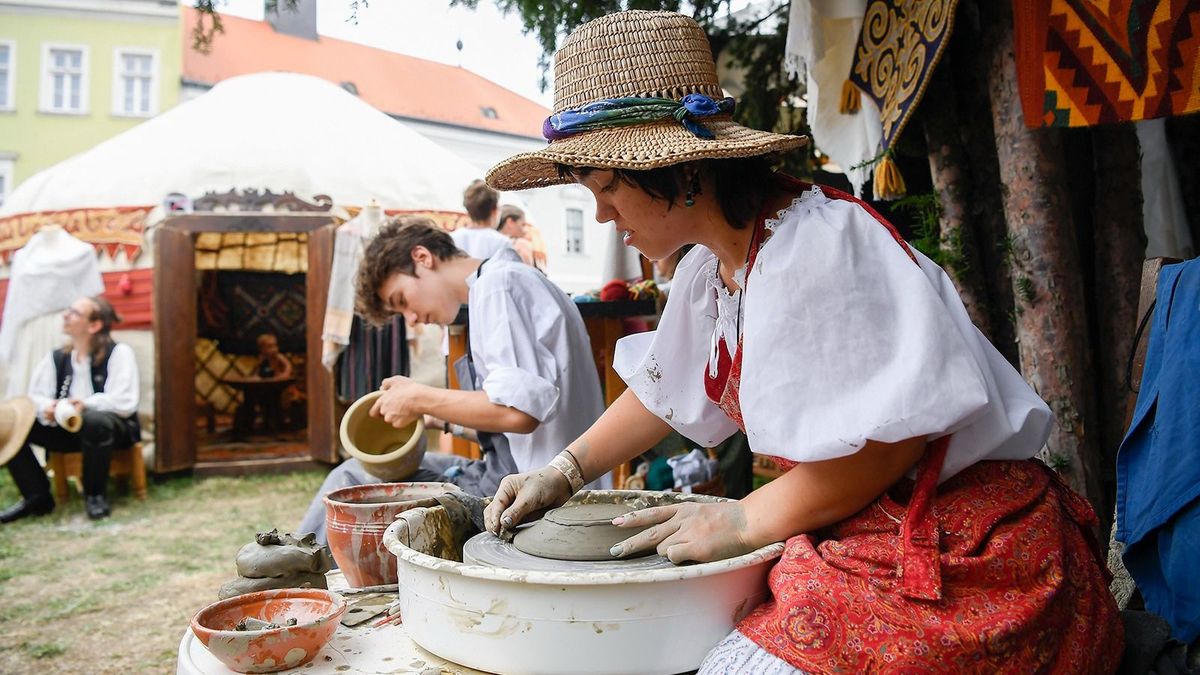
x,y
389,253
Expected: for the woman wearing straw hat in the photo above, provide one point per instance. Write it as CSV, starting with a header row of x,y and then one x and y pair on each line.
x,y
920,535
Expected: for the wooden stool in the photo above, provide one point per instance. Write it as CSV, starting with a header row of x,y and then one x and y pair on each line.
x,y
127,464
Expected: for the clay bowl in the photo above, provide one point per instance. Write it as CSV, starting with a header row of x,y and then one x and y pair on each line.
x,y
317,613
385,451
356,517
576,532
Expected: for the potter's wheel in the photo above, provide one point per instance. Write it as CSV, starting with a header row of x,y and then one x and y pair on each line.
x,y
489,550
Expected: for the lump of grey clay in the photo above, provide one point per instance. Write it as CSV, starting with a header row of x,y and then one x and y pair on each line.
x,y
277,555
243,585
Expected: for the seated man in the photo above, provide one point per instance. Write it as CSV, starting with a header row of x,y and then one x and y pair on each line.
x,y
99,378
272,365
529,382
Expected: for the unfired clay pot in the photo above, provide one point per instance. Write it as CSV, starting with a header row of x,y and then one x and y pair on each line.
x,y
355,518
385,451
317,613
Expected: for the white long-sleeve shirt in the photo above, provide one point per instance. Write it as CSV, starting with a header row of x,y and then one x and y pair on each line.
x,y
532,353
121,388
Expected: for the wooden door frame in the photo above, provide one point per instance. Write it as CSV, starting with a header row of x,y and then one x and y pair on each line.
x,y
175,318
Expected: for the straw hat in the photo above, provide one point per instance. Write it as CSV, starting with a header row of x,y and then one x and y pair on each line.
x,y
644,54
16,419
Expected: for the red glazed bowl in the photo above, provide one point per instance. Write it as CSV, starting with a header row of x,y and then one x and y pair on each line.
x,y
317,613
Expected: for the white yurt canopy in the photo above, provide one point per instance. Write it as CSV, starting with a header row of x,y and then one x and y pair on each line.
x,y
269,131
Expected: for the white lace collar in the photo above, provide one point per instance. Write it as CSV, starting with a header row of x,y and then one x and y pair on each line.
x,y
728,304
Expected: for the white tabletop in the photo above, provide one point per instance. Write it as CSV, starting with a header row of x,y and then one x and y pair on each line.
x,y
363,649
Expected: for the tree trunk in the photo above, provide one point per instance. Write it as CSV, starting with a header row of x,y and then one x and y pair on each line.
x,y
1047,283
1120,246
985,209
951,184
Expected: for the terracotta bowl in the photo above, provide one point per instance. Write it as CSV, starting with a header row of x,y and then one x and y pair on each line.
x,y
317,613
385,451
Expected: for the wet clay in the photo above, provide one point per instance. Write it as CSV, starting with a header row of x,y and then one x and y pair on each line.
x,y
576,532
275,560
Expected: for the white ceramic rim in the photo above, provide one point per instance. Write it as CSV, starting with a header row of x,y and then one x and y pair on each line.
x,y
413,557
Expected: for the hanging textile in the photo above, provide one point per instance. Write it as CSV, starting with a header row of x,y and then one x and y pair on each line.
x,y
235,307
820,48
370,355
898,47
1081,63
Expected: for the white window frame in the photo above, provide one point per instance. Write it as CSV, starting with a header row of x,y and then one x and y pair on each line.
x,y
46,102
10,92
118,89
567,237
8,162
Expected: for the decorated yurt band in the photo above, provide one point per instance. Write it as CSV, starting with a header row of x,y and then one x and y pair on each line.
x,y
619,112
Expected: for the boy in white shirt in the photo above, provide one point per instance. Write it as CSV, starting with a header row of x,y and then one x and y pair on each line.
x,y
534,386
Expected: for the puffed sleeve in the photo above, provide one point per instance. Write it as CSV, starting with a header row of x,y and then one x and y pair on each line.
x,y
521,372
665,367
847,340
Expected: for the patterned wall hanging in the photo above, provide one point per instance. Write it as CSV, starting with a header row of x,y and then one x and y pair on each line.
x,y
898,47
1082,62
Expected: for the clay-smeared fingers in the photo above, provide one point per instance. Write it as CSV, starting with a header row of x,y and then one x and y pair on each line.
x,y
646,539
504,497
648,516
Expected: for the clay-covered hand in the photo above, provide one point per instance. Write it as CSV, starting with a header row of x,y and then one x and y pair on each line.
x,y
687,532
523,494
398,405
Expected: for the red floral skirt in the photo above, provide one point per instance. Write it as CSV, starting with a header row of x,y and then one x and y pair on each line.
x,y
1013,584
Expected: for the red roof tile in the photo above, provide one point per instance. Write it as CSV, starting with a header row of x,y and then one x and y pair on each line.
x,y
400,85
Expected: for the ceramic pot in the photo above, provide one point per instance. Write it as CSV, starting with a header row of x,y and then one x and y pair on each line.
x,y
317,613
385,451
356,517
650,622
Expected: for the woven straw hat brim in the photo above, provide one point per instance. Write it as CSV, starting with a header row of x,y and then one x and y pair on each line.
x,y
22,412
637,147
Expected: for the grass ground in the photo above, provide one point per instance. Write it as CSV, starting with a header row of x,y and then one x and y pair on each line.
x,y
115,596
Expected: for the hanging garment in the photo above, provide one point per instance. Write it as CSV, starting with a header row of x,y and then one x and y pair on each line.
x,y
1158,467
371,355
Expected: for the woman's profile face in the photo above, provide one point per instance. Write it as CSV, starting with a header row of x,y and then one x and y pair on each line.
x,y
652,226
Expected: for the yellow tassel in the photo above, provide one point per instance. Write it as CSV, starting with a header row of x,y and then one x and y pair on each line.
x,y
851,98
889,184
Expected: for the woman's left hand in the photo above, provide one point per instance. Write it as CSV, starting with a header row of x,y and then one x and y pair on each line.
x,y
687,532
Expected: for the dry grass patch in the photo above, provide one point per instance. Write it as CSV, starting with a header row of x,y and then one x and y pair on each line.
x,y
115,596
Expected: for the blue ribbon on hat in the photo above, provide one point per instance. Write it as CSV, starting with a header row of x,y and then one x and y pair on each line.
x,y
624,111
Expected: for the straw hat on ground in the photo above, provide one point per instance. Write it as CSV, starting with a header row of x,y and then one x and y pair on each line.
x,y
659,55
16,419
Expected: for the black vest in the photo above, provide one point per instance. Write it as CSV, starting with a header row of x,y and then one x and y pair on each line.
x,y
62,380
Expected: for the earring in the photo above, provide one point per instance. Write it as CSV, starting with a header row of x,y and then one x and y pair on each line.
x,y
693,190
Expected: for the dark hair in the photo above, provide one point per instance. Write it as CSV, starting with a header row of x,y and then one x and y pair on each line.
x,y
742,184
390,252
102,342
507,213
480,200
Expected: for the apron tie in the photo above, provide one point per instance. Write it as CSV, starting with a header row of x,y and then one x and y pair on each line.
x,y
920,552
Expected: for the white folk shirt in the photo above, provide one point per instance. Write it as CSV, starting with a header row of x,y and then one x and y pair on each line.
x,y
532,353
480,242
121,387
845,340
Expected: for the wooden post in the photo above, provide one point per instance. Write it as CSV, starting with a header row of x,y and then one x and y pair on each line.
x,y
1052,326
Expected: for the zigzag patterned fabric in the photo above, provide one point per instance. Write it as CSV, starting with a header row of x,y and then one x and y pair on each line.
x,y
1085,62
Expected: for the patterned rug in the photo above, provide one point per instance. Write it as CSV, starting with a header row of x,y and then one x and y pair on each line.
x,y
898,47
235,307
1084,62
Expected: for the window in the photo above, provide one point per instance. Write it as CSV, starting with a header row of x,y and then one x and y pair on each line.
x,y
7,160
64,79
574,230
135,82
8,65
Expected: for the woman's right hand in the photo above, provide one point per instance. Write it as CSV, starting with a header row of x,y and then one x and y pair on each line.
x,y
523,494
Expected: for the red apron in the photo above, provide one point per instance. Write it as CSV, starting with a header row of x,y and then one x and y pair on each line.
x,y
995,570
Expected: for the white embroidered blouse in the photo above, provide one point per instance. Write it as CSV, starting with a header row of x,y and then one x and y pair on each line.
x,y
845,340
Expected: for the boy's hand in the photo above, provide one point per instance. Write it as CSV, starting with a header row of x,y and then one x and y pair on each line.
x,y
400,402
